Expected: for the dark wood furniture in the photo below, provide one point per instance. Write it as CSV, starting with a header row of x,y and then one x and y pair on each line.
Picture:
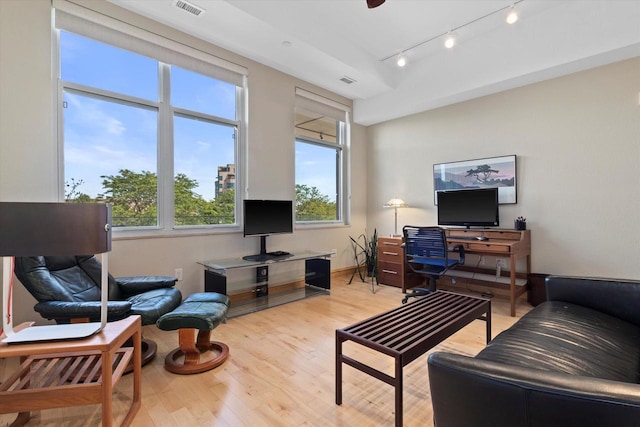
x,y
407,332
499,243
75,372
392,265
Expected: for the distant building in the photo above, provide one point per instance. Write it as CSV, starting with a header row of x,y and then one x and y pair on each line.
x,y
226,179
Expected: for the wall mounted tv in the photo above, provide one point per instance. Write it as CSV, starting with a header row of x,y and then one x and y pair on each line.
x,y
263,218
476,207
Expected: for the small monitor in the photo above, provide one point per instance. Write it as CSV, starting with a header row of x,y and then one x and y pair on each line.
x,y
476,207
265,217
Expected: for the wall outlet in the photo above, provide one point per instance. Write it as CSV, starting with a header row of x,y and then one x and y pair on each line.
x,y
178,273
334,253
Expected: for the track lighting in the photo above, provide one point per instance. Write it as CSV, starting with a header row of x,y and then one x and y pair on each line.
x,y
450,41
451,37
512,15
402,60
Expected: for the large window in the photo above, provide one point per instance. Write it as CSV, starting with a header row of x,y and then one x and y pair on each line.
x,y
321,160
147,135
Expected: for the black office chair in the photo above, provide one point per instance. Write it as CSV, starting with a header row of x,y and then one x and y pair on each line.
x,y
427,254
68,290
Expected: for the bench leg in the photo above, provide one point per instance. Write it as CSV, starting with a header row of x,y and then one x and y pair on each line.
x,y
338,370
191,351
398,390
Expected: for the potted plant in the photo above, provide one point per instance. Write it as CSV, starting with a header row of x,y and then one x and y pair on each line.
x,y
365,251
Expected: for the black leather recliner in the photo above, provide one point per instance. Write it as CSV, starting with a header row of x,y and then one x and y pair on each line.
x,y
68,289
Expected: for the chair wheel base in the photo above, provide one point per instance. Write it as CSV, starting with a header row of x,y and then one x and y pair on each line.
x,y
417,292
149,349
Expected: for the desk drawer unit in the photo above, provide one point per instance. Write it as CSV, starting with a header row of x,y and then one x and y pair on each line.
x,y
392,267
487,247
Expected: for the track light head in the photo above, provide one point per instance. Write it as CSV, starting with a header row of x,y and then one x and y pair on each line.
x,y
402,60
512,15
450,41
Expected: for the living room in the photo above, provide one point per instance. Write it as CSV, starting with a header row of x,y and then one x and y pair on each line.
x,y
575,137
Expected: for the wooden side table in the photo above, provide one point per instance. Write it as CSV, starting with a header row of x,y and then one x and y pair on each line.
x,y
75,372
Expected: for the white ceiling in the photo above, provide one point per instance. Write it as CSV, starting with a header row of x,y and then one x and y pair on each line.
x,y
330,39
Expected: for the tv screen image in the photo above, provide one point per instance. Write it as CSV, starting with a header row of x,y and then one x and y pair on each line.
x,y
266,217
476,207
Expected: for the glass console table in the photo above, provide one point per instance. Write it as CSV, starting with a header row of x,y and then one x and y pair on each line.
x,y
250,287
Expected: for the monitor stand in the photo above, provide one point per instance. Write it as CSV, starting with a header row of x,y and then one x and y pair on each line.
x,y
263,255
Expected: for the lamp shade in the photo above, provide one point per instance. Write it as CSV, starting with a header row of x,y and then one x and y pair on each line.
x,y
48,229
396,203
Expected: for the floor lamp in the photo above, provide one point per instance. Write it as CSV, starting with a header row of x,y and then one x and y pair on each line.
x,y
396,203
50,229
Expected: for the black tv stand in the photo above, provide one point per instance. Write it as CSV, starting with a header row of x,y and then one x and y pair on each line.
x,y
264,256
224,276
258,257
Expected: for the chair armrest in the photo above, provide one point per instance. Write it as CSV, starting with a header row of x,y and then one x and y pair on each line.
x,y
64,311
134,285
616,297
468,391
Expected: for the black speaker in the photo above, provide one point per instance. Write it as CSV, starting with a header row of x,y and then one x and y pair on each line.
x,y
262,290
262,274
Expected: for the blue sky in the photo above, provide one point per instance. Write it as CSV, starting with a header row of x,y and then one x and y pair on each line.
x,y
101,137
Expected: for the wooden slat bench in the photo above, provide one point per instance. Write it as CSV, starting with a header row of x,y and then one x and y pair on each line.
x,y
407,332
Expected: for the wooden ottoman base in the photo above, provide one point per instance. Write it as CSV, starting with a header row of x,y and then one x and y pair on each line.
x,y
201,312
192,350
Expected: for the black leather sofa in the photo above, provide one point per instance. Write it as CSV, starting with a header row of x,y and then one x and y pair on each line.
x,y
571,361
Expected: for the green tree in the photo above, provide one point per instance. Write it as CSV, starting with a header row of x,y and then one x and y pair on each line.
x,y
189,206
312,205
484,170
134,196
73,195
223,207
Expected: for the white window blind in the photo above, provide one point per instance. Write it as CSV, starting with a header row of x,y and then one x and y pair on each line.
x,y
319,104
97,26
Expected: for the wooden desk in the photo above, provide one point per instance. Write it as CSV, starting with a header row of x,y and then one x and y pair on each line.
x,y
75,372
501,243
407,332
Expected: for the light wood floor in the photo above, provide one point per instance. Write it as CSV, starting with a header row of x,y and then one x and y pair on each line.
x,y
280,371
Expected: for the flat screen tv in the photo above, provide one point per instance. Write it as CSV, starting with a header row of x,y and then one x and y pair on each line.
x,y
476,207
266,217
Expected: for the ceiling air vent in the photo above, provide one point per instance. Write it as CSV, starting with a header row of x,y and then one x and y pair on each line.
x,y
189,7
347,80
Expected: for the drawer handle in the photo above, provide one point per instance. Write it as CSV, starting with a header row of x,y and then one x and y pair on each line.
x,y
389,253
390,243
390,271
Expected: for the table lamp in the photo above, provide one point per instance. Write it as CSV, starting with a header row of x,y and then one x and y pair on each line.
x,y
50,229
396,203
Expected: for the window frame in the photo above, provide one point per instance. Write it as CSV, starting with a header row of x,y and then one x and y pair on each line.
x,y
317,104
165,137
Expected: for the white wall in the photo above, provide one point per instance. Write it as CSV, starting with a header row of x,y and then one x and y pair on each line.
x,y
577,141
28,150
